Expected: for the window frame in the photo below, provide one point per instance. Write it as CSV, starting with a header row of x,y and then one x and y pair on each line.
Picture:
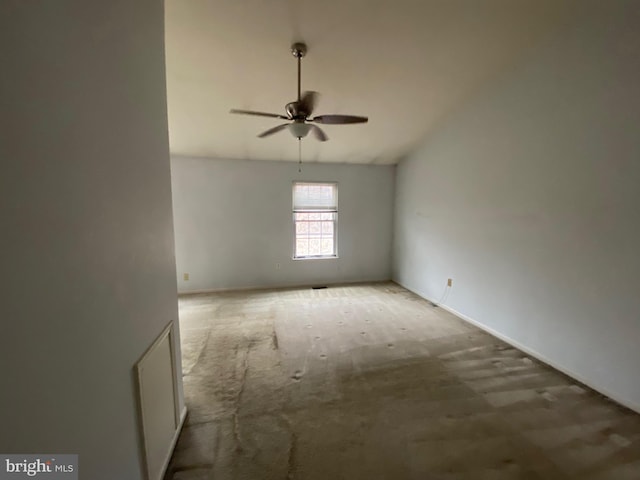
x,y
294,221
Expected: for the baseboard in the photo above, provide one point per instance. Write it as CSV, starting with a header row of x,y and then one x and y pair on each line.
x,y
174,440
533,353
280,286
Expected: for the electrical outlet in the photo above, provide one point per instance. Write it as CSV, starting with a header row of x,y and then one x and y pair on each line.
x,y
449,282
185,276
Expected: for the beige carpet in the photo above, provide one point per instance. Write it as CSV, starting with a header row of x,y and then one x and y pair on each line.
x,y
371,382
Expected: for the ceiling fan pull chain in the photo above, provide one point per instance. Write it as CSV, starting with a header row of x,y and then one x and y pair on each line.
x,y
299,155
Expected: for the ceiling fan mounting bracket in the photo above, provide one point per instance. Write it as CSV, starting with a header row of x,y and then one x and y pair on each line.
x,y
299,49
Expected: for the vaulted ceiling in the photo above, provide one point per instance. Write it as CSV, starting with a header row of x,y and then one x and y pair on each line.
x,y
406,64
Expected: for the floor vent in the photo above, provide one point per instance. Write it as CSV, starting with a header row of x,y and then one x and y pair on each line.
x,y
319,288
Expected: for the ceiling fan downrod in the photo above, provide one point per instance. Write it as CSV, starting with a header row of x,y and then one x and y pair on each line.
x,y
299,50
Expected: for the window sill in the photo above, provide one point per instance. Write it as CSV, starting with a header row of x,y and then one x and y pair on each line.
x,y
331,257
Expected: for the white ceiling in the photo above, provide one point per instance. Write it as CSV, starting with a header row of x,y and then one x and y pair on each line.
x,y
405,64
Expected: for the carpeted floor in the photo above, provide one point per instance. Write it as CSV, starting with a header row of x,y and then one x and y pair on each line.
x,y
371,382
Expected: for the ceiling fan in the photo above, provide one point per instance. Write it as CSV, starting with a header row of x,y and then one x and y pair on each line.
x,y
299,112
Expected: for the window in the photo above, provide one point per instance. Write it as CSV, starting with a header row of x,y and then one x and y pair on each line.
x,y
315,218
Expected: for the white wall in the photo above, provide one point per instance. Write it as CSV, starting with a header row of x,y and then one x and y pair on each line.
x,y
88,271
233,223
529,198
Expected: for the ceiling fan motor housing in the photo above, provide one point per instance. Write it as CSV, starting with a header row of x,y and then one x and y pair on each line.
x,y
292,109
294,112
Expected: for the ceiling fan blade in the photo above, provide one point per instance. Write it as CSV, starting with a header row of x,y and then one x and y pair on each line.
x,y
273,130
259,114
308,102
339,119
319,133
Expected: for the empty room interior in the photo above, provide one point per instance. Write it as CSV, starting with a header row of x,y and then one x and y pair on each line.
x,y
321,240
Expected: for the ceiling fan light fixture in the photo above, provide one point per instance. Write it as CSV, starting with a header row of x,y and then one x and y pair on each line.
x,y
299,129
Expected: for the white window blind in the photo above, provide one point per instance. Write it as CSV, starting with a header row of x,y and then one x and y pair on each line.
x,y
311,197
